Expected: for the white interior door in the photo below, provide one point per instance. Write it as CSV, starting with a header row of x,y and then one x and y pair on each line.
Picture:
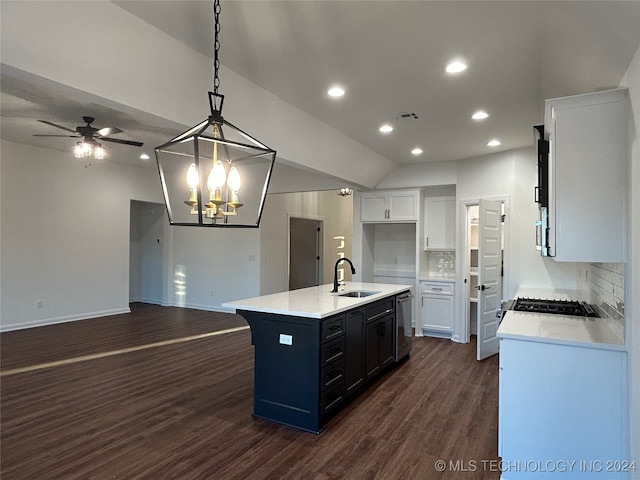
x,y
489,276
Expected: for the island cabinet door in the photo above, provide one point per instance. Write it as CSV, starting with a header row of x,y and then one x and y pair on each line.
x,y
386,340
379,344
379,336
355,372
287,369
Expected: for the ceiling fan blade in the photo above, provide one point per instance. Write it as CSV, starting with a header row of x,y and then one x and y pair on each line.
x,y
57,126
125,142
108,131
66,136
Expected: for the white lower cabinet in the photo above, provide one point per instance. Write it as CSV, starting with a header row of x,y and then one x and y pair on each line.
x,y
562,412
436,309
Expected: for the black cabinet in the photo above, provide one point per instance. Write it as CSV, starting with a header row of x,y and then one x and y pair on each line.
x,y
306,369
379,344
379,334
332,363
355,352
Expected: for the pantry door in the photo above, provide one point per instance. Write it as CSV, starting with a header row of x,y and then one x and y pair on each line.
x,y
489,277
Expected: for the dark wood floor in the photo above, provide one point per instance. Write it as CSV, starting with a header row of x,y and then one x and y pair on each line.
x,y
182,409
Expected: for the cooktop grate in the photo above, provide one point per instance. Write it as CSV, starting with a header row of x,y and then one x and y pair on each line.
x,y
556,307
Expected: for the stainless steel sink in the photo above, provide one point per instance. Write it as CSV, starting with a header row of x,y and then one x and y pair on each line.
x,y
358,293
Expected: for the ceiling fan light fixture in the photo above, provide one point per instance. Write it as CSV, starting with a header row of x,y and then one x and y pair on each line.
x,y
83,149
89,146
99,152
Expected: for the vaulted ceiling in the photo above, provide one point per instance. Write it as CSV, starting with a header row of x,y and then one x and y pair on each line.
x,y
390,57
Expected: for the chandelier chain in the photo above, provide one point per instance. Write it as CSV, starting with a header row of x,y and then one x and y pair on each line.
x,y
216,46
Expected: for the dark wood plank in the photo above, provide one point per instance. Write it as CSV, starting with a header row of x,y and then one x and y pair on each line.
x,y
184,410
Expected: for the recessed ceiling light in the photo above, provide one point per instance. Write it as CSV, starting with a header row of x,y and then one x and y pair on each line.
x,y
144,156
335,91
416,151
456,66
386,128
480,115
494,143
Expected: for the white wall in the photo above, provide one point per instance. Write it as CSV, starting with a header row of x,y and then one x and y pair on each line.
x,y
336,214
632,270
514,174
420,175
210,266
65,235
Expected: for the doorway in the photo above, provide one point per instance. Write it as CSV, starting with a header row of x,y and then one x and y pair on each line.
x,y
485,270
146,252
305,245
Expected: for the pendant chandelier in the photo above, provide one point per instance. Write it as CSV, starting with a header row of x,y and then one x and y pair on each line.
x,y
214,174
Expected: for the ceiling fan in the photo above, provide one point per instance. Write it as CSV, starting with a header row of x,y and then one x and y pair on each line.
x,y
90,136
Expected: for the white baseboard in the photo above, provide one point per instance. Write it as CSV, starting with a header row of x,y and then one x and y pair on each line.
x,y
153,301
196,306
63,319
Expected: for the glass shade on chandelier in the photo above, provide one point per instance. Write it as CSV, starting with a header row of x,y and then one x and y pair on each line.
x,y
214,174
89,150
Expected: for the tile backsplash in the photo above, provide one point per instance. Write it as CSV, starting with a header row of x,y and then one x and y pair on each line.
x,y
441,263
604,283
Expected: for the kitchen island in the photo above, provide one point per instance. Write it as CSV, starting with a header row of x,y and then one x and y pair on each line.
x,y
563,395
315,350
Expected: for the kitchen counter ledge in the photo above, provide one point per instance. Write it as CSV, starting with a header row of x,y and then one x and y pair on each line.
x,y
560,329
316,302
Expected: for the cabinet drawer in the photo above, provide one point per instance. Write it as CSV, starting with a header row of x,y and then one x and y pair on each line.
x,y
332,328
332,374
332,351
332,397
375,310
437,288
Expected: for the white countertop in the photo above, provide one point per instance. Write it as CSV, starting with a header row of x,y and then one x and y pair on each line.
x,y
316,302
561,329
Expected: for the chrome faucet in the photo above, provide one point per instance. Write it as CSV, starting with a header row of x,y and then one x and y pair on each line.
x,y
335,273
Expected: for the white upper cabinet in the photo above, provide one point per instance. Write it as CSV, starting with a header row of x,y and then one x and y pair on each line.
x,y
440,223
588,164
389,206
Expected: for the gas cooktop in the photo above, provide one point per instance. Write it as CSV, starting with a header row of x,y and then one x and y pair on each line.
x,y
555,307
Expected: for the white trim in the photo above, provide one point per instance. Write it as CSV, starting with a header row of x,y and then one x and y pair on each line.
x,y
63,319
208,308
461,326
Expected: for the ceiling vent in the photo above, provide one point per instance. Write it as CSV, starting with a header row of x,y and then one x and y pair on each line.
x,y
407,116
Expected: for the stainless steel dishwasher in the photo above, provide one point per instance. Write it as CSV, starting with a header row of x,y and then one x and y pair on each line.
x,y
404,330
